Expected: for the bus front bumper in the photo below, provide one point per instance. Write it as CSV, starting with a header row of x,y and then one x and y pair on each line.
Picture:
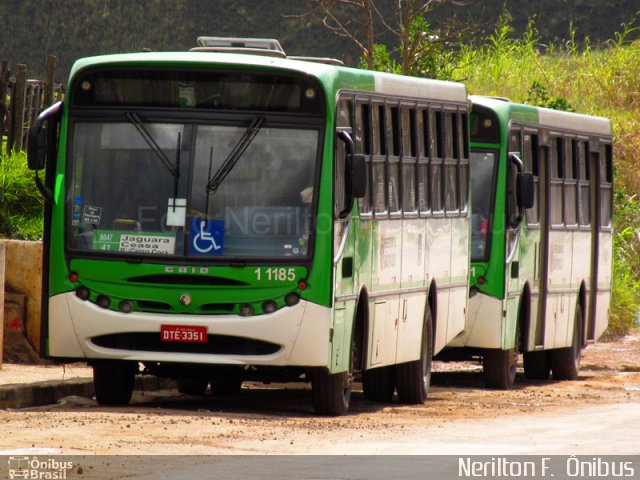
x,y
300,334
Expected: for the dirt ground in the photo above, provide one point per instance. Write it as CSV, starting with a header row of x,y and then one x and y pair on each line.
x,y
597,414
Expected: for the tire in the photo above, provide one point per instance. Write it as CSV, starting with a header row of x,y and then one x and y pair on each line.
x,y
379,384
331,392
193,385
226,386
565,362
413,378
537,365
113,382
499,368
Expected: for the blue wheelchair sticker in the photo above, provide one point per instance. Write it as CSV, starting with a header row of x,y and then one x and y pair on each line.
x,y
207,237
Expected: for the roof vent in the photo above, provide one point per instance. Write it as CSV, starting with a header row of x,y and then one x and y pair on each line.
x,y
328,61
253,46
256,46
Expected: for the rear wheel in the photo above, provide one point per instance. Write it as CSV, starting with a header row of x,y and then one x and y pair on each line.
x,y
537,365
192,385
565,362
499,367
113,382
413,378
379,384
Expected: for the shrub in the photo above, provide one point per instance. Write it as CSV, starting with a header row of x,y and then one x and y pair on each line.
x,y
21,205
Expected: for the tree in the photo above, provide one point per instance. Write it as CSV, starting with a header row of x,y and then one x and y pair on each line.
x,y
358,20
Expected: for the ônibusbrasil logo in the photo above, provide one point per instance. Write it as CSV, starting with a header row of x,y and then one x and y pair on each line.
x,y
37,469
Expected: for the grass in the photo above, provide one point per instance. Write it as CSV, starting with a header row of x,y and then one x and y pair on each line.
x,y
21,205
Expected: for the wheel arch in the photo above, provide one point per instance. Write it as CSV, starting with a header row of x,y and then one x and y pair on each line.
x,y
524,318
432,304
582,301
360,331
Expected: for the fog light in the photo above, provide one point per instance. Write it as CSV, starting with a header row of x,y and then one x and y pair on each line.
x,y
126,306
246,310
103,301
292,299
269,306
83,293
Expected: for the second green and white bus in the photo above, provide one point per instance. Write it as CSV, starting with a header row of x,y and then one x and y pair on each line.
x,y
540,276
231,214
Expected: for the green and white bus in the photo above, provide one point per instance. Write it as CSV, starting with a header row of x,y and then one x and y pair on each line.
x,y
541,250
232,214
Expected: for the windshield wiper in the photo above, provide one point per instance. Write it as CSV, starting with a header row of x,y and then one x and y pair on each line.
x,y
235,154
155,148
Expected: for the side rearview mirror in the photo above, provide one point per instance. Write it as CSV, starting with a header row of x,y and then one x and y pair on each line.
x,y
358,175
355,177
525,190
39,142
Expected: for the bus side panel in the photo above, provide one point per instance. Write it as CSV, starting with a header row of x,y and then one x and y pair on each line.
x,y
459,276
558,297
604,283
412,305
385,276
438,267
485,323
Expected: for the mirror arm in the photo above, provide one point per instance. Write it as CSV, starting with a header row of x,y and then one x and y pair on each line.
x,y
346,138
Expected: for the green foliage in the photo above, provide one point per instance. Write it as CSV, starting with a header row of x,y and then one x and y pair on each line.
x,y
626,265
538,95
21,205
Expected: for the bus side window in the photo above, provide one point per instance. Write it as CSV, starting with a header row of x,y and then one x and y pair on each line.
x,y
584,184
463,135
556,198
344,121
515,145
435,163
606,186
424,143
570,183
363,145
393,159
451,163
378,172
408,162
531,164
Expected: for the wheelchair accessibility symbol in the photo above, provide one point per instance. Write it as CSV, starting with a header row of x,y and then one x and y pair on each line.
x,y
207,237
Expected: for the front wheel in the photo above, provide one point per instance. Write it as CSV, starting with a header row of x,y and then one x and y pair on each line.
x,y
565,362
331,392
413,378
113,382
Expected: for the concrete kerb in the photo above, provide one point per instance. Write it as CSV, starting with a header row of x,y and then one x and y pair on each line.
x,y
13,396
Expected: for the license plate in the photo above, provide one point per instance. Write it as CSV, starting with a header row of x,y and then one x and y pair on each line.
x,y
183,333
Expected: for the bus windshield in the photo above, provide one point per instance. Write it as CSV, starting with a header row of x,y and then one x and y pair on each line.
x,y
231,190
482,175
